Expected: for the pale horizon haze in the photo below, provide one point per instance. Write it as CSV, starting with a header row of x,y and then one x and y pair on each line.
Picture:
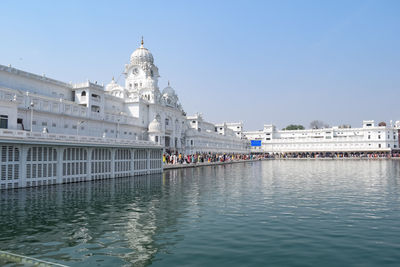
x,y
260,62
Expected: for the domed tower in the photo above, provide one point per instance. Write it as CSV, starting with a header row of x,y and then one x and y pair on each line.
x,y
169,96
115,89
141,75
155,130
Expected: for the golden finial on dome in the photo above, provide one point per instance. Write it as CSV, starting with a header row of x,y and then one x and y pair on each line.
x,y
142,43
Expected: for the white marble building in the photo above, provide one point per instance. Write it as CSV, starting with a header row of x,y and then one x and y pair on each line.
x,y
136,110
368,138
203,136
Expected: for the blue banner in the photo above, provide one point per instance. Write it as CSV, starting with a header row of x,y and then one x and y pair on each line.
x,y
255,142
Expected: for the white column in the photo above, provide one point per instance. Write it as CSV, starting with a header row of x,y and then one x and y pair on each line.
x,y
161,160
89,164
60,153
132,170
148,161
113,151
23,153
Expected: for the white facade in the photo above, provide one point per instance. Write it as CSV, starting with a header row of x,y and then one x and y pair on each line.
x,y
206,137
230,127
137,110
369,138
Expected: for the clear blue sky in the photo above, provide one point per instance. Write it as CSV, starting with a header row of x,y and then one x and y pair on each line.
x,y
278,62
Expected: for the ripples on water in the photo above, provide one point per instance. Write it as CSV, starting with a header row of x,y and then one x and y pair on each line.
x,y
291,213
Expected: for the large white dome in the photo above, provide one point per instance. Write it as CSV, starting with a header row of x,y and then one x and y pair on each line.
x,y
141,55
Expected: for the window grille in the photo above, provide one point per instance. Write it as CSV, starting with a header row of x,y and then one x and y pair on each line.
x,y
9,165
41,167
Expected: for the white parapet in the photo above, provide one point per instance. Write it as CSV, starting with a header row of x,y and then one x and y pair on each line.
x,y
37,159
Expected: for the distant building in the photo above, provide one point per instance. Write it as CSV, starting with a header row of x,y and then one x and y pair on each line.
x,y
203,136
369,138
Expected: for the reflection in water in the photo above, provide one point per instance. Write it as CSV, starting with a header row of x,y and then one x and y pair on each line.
x,y
297,212
109,221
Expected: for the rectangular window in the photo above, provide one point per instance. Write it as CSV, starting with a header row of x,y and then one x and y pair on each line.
x,y
379,136
369,137
3,121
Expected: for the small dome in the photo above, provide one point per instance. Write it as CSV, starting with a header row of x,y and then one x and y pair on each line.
x,y
141,55
169,91
112,85
154,126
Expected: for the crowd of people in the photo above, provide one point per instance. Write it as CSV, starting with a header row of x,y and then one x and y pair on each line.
x,y
179,158
334,155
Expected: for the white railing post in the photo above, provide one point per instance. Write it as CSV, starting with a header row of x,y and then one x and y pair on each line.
x,y
31,106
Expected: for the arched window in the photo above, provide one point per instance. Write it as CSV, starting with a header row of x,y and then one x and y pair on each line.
x,y
83,93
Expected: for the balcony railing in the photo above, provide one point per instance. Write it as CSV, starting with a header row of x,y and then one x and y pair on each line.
x,y
18,135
